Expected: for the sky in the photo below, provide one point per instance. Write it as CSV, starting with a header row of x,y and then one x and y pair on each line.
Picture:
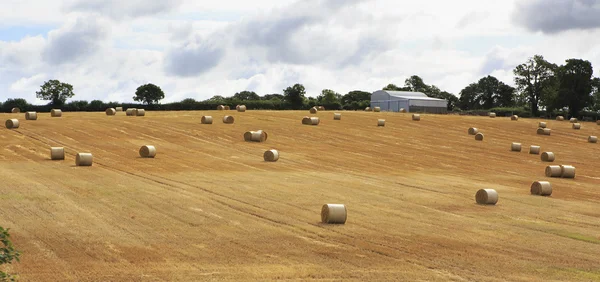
x,y
199,49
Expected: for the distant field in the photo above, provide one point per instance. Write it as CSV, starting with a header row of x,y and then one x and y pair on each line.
x,y
209,208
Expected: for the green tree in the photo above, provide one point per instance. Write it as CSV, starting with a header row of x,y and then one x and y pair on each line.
x,y
487,93
272,97
148,94
8,254
356,96
575,90
416,84
328,97
15,103
596,94
393,87
246,95
295,95
531,78
56,92
470,98
217,99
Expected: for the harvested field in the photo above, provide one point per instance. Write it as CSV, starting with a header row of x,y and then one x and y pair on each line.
x,y
208,207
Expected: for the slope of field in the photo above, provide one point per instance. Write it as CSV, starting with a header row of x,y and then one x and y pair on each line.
x,y
209,208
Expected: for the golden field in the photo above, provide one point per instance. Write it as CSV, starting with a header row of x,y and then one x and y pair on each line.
x,y
209,208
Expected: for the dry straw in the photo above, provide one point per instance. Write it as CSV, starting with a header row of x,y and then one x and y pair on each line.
x,y
56,113
416,117
492,115
30,116
514,117
593,139
241,108
534,150
553,171
573,120
541,188
255,136
271,156
567,171
486,197
310,121
12,123
15,110
577,126
515,147
381,122
119,109
57,153
560,118
313,110
140,112
334,214
220,108
479,136
542,124
84,159
206,120
112,111
337,116
473,131
147,151
547,157
228,119
377,109
129,112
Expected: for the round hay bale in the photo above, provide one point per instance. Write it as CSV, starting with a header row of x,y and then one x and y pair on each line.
x,y
486,197
560,118
337,116
112,112
310,120
544,131
541,188
220,108
368,109
479,136
313,110
593,139
237,107
263,132
30,116
402,110
334,214
119,109
416,117
241,108
514,117
598,122
492,115
473,131
255,136
128,112
548,157
12,123
381,122
377,109
515,147
147,151
57,153
573,120
206,120
567,171
227,108
84,159
140,112
271,156
542,124
228,119
56,113
577,126
15,110
553,171
320,108
534,150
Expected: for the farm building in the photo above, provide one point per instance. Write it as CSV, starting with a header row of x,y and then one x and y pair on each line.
x,y
410,101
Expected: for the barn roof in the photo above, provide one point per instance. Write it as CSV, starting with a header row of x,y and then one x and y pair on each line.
x,y
411,95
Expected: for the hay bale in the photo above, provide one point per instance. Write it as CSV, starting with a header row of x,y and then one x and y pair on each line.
x,y
515,147
337,116
577,126
227,108
514,117
381,122
237,107
320,108
479,136
368,109
541,188
15,110
313,110
492,115
220,108
544,131
228,119
573,120
271,156
486,197
255,136
553,171
119,109
310,120
473,131
377,109
57,153
84,159
598,122
241,108
147,151
542,124
593,139
206,120
567,171
56,113
112,112
129,112
334,214
140,112
416,117
12,123
534,150
547,157
560,118
30,116
402,110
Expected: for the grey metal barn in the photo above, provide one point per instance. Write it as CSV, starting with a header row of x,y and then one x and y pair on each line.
x,y
393,101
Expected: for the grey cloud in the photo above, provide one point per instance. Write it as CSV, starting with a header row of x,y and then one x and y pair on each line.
x,y
553,16
472,17
193,58
121,9
74,42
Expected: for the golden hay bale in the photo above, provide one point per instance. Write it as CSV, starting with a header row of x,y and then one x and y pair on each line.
x,y
334,214
573,120
553,171
377,109
368,109
220,108
237,107
567,171
492,115
140,112
577,126
57,153
119,109
227,108
337,116
473,131
320,108
593,139
541,188
12,123
416,117
206,120
128,112
402,110
255,136
112,111
310,120
228,119
479,136
84,159
381,122
515,147
542,124
560,118
55,113
544,131
147,151
514,117
271,156
15,110
534,150
486,197
241,108
598,122
548,157
313,110
30,116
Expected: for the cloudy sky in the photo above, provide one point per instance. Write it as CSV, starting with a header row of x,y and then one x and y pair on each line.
x,y
107,48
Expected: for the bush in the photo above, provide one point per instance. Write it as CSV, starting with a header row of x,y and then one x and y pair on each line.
x,y
8,254
15,103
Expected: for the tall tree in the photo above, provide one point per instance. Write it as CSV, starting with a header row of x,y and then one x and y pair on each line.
x,y
246,95
393,87
596,94
149,94
531,77
272,97
415,83
575,90
470,98
295,95
487,93
328,97
56,92
356,96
